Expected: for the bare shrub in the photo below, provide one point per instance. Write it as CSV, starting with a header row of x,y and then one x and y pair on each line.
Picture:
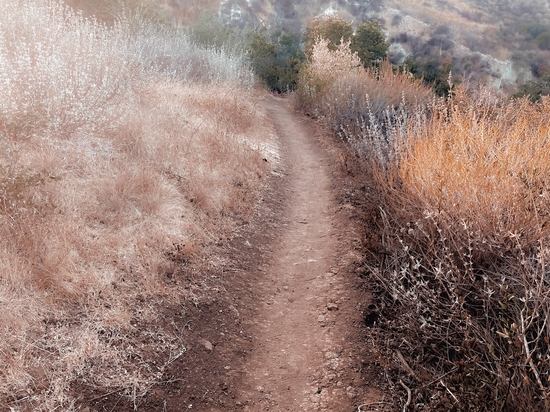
x,y
461,186
357,104
324,67
463,288
369,108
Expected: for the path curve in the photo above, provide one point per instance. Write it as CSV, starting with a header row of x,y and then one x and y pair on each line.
x,y
296,361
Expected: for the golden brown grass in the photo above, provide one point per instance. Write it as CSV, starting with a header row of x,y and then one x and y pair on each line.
x,y
490,168
465,227
111,181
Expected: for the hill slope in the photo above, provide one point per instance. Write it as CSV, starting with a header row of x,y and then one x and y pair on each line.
x,y
501,43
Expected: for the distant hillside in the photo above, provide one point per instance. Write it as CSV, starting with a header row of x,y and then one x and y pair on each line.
x,y
501,42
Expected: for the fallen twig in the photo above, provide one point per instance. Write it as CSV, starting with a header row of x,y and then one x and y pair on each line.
x,y
370,404
405,364
409,396
448,390
528,353
105,395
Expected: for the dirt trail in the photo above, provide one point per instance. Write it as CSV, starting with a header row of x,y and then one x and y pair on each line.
x,y
284,329
299,351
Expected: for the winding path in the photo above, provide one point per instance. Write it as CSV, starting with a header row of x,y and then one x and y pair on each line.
x,y
298,355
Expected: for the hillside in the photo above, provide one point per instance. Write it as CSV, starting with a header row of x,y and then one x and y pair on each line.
x,y
126,154
500,43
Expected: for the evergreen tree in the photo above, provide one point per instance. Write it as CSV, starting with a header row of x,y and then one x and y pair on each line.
x,y
370,43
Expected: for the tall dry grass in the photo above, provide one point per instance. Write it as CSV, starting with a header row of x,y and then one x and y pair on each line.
x,y
462,307
465,232
124,152
368,108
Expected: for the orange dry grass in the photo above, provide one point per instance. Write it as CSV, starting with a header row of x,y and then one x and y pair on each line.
x,y
489,168
466,216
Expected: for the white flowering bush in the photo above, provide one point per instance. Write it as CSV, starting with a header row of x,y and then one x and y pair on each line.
x,y
324,67
169,51
46,77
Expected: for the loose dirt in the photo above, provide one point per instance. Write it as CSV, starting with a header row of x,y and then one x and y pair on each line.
x,y
286,331
307,306
300,341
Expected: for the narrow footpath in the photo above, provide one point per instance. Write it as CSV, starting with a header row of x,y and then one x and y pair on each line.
x,y
300,359
284,328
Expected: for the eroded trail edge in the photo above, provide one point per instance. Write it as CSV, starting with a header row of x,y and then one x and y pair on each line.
x,y
300,358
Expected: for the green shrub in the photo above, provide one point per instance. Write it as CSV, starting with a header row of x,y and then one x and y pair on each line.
x,y
210,32
332,28
370,43
276,58
434,71
534,89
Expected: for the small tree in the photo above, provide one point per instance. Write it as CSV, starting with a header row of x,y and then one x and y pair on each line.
x,y
276,58
332,28
369,42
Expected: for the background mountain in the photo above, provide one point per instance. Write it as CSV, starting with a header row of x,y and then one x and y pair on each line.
x,y
500,42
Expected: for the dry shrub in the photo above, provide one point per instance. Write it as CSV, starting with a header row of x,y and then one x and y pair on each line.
x,y
324,67
462,192
357,104
118,168
463,283
360,106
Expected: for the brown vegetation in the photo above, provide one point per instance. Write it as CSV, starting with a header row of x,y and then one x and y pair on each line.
x,y
460,190
121,158
465,232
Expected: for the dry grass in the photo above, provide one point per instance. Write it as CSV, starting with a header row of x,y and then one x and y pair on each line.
x,y
350,103
465,236
360,105
325,67
461,186
124,152
484,166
